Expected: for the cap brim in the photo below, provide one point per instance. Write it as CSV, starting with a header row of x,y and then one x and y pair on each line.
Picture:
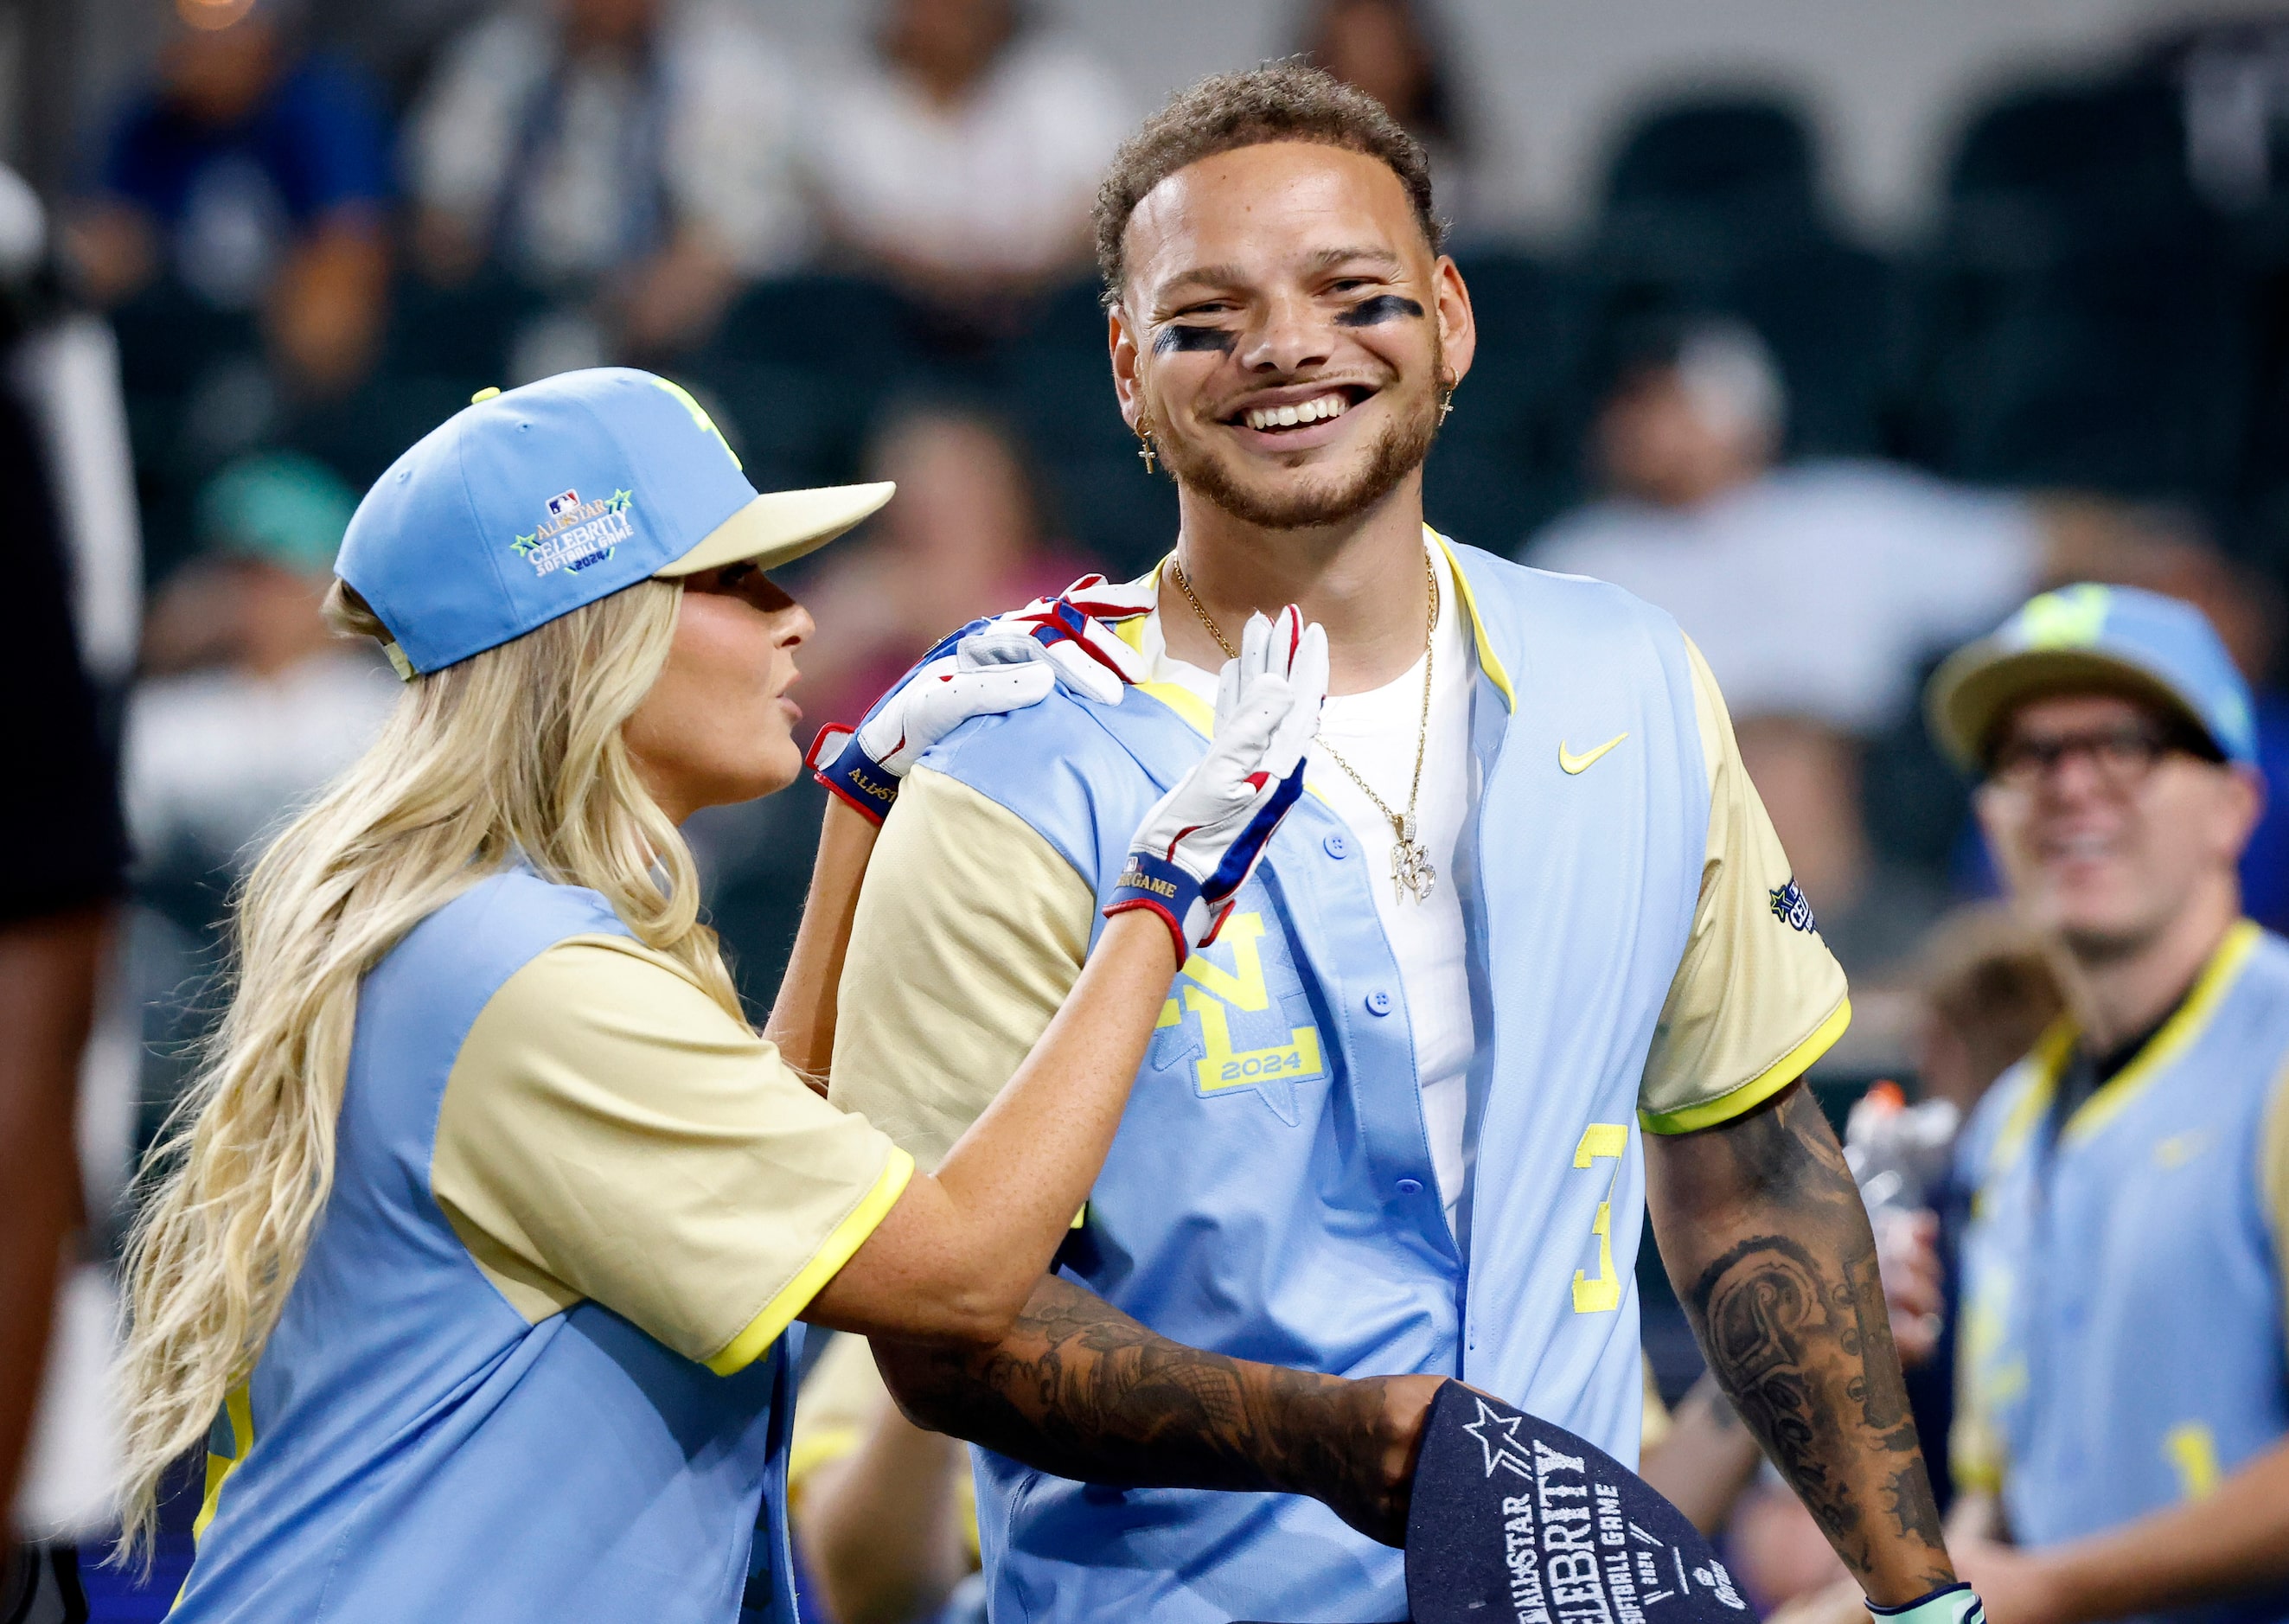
x,y
780,525
1975,686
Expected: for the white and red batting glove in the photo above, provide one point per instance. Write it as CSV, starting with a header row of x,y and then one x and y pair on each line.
x,y
1196,848
974,672
1087,653
986,668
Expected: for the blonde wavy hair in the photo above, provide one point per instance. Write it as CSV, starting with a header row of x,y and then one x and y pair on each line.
x,y
514,751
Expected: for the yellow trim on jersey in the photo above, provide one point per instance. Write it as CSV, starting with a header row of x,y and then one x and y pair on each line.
x,y
764,1329
1196,713
2049,1056
1759,1089
809,1451
1489,661
2217,978
1131,630
239,1406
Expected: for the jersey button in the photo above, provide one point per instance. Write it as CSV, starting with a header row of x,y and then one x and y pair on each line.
x,y
1336,846
1378,1002
1410,1187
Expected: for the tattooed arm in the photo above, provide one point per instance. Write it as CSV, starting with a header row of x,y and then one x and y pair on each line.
x,y
1080,1389
1764,1236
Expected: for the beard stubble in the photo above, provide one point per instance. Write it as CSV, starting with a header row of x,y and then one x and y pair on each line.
x,y
1398,452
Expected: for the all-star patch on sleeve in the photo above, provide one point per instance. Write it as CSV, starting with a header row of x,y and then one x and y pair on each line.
x,y
1757,997
609,1133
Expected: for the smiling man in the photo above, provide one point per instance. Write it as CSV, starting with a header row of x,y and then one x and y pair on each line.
x,y
2122,1325
1391,1119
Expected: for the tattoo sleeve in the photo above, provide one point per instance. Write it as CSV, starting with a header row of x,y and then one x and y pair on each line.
x,y
1080,1389
1768,1245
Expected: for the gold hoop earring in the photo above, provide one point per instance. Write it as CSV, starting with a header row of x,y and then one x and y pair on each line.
x,y
1146,450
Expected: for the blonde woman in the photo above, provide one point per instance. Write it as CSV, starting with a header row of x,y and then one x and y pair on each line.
x,y
480,1235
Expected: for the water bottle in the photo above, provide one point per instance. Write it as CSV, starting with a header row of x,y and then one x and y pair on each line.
x,y
1899,1155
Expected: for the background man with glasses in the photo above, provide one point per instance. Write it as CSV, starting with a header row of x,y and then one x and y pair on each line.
x,y
2133,1172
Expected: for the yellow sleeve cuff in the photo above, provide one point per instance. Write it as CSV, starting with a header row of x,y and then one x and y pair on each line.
x,y
765,1328
1757,1089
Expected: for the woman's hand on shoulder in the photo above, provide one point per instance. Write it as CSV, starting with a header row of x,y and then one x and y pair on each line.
x,y
987,668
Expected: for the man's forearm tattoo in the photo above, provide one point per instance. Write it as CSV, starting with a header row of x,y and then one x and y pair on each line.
x,y
1792,1319
1081,1390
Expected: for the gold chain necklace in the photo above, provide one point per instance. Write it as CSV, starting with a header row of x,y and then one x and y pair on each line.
x,y
1411,873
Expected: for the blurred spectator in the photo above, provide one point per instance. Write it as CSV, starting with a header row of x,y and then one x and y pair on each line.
x,y
1393,51
1813,590
1987,993
964,539
632,152
960,157
62,831
2138,1146
2245,610
1872,911
254,173
251,704
1819,590
884,1515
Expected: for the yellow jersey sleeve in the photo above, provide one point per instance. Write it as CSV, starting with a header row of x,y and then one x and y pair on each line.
x,y
1757,997
608,1133
2273,1173
970,930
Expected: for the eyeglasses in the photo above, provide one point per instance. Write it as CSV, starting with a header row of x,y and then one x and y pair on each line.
x,y
2122,757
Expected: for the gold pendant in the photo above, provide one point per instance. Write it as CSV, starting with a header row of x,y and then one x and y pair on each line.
x,y
1410,863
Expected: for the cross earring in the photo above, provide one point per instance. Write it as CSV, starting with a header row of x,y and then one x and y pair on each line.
x,y
1445,401
1145,450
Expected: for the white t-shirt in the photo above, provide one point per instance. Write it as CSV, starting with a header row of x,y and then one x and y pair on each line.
x,y
1002,184
1376,732
213,759
1819,590
721,135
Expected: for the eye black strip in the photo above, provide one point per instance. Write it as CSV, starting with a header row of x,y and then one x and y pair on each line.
x,y
1383,308
1175,336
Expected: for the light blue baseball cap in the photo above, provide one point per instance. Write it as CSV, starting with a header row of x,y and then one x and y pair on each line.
x,y
528,505
2115,639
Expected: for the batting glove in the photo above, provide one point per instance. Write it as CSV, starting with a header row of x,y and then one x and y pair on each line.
x,y
1954,1604
983,670
1196,848
1087,653
988,667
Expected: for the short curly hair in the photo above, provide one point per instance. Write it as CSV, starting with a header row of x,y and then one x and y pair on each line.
x,y
1278,101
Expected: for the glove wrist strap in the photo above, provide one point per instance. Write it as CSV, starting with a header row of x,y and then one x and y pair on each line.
x,y
1954,1604
1150,881
837,761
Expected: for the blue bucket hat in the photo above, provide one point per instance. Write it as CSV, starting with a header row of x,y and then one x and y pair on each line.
x,y
528,505
2114,639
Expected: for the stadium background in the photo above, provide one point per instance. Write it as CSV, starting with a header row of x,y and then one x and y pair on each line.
x,y
2031,247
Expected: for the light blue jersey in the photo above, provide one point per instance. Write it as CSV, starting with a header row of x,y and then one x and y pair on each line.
x,y
2123,1323
1272,1193
561,1190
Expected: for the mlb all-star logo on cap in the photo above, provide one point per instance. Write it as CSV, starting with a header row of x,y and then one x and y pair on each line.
x,y
480,532
575,536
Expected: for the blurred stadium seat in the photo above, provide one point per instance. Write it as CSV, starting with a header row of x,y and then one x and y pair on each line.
x,y
2076,311
1713,207
1055,386
1510,457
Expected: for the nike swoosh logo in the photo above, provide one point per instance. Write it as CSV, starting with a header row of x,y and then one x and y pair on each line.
x,y
1573,763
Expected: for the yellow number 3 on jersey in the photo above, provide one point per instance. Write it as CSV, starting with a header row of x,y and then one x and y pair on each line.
x,y
1604,1293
